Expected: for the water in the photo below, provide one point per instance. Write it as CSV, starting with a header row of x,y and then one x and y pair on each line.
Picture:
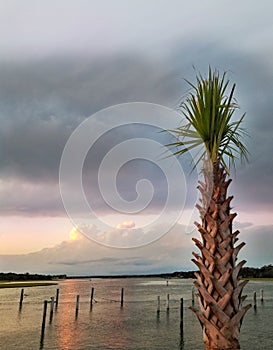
x,y
136,326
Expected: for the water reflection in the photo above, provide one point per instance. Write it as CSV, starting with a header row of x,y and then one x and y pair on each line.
x,y
107,325
157,320
181,336
112,327
66,335
19,314
133,327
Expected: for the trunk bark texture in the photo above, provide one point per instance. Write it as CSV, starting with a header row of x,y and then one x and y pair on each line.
x,y
219,289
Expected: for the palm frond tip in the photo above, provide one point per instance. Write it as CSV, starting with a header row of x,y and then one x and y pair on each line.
x,y
209,114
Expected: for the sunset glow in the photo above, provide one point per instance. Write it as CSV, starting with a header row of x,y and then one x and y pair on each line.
x,y
74,234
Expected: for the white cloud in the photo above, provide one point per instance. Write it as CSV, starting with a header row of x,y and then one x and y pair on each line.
x,y
84,256
89,27
126,225
171,252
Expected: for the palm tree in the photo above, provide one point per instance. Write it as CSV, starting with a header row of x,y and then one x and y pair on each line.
x,y
209,110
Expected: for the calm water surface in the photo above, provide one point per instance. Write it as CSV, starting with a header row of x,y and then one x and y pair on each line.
x,y
135,326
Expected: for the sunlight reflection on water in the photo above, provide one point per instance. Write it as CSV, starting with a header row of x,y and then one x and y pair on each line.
x,y
135,326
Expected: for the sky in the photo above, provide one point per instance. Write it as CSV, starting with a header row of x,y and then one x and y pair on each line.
x,y
86,87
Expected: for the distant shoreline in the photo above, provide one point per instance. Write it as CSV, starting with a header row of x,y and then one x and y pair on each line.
x,y
189,274
22,284
25,284
13,280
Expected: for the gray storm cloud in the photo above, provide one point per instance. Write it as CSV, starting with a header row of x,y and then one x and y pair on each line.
x,y
62,61
44,101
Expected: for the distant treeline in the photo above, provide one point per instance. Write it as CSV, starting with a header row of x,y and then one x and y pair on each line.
x,y
178,274
253,272
246,272
11,276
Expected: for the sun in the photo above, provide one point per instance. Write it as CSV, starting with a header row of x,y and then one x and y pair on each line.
x,y
74,234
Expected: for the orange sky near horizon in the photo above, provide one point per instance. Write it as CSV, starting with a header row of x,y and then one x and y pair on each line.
x,y
22,235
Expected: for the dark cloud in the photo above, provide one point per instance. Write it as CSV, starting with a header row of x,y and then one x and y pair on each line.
x,y
43,101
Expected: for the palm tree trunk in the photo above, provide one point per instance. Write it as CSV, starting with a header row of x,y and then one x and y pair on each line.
x,y
219,289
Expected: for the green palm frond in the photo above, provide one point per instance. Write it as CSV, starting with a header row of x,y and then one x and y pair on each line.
x,y
208,111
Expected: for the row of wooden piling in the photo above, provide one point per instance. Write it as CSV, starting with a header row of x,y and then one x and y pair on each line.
x,y
168,310
55,300
23,293
181,302
168,302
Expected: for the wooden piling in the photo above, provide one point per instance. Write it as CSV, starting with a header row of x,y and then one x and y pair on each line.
x,y
255,300
262,295
192,295
122,297
181,311
51,309
91,298
57,298
43,322
21,298
158,305
168,303
77,305
181,323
